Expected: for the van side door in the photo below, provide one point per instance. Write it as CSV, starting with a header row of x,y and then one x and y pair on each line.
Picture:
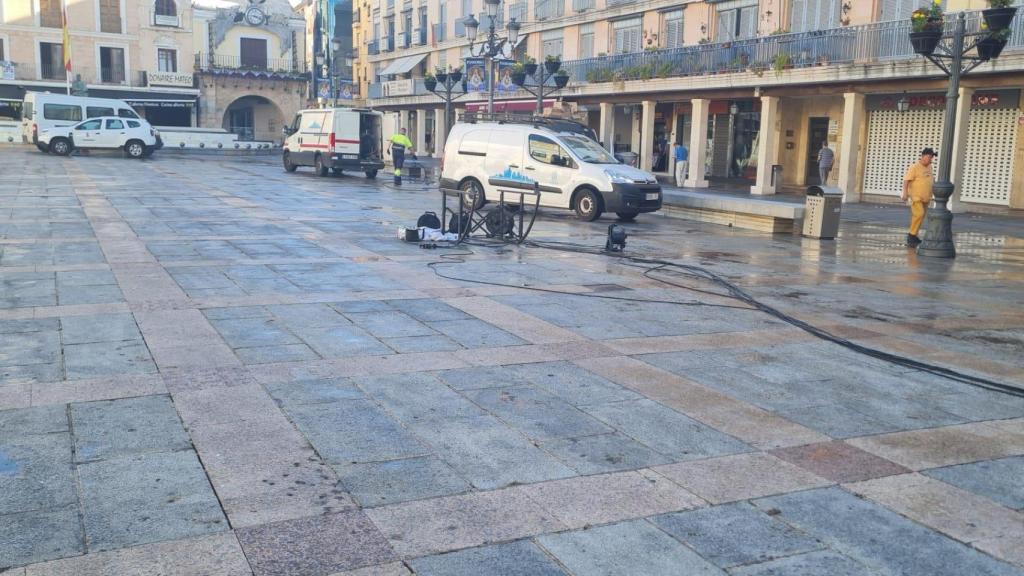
x,y
311,129
346,135
552,167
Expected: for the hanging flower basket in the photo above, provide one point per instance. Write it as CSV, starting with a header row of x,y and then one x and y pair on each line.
x,y
530,68
441,77
552,66
456,76
925,41
991,46
430,84
518,78
561,80
998,19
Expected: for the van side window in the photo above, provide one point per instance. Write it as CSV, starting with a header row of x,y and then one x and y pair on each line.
x,y
71,112
124,113
295,122
115,125
90,125
133,124
97,111
545,150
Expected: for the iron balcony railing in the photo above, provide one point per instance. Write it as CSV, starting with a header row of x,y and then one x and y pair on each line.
x,y
877,42
387,44
221,62
421,36
373,47
440,32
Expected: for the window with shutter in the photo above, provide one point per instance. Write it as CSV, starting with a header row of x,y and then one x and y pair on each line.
x,y
899,9
672,29
726,29
627,36
551,43
807,15
586,40
748,23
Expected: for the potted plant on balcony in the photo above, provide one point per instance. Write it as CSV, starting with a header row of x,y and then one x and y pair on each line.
x,y
430,82
999,14
530,66
926,24
518,74
991,45
561,78
455,74
552,63
440,75
781,61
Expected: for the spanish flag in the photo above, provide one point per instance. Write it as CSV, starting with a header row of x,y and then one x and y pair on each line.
x,y
67,39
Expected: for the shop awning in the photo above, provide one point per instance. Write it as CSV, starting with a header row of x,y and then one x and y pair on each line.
x,y
9,93
402,65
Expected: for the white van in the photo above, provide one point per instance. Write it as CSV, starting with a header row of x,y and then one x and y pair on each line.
x,y
570,169
334,139
47,111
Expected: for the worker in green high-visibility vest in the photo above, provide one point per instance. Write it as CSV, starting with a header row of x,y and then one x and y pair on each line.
x,y
399,144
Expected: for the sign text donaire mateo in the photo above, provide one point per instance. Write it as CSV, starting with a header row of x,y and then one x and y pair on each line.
x,y
179,79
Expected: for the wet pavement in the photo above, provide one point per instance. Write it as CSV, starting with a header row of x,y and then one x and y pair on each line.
x,y
210,366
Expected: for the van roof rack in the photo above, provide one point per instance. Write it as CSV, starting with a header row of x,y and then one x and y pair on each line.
x,y
551,122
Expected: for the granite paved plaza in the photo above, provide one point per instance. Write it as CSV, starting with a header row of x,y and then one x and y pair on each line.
x,y
209,366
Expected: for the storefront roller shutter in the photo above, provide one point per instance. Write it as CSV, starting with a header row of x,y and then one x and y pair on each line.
x,y
895,140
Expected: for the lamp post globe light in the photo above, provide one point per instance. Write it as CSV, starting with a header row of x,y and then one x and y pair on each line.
x,y
956,54
491,46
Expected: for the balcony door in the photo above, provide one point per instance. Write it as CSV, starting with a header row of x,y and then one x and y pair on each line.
x,y
808,15
252,53
898,9
112,65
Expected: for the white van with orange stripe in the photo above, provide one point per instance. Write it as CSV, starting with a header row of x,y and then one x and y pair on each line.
x,y
335,139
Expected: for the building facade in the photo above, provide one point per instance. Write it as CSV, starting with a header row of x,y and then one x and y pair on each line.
x,y
138,51
752,87
329,44
250,65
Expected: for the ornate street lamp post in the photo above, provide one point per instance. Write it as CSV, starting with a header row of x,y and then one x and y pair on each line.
x,y
443,85
952,55
492,46
552,68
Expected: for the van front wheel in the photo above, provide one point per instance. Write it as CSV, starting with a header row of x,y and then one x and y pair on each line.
x,y
289,166
371,174
588,205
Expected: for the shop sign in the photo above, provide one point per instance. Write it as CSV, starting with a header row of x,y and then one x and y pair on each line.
x,y
179,79
6,70
160,103
833,127
399,87
937,101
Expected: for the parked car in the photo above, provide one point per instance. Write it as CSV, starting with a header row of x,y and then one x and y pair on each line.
x,y
334,139
45,111
571,169
136,137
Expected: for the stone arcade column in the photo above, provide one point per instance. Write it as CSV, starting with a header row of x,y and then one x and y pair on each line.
x,y
963,121
421,133
647,135
440,132
698,143
768,151
849,148
607,135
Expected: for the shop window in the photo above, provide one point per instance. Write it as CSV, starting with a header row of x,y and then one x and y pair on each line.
x,y
166,60
112,65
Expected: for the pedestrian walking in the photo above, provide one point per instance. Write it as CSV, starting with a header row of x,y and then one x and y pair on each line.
x,y
399,144
825,159
917,191
682,162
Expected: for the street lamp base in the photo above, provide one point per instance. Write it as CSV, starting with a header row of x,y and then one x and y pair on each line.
x,y
938,240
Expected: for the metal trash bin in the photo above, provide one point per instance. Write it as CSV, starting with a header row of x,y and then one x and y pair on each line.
x,y
821,212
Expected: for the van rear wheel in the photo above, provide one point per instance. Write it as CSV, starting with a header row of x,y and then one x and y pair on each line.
x,y
319,167
474,187
587,205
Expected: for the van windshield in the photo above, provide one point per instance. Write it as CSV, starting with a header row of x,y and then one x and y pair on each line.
x,y
587,150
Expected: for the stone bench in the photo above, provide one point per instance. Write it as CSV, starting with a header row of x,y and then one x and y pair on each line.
x,y
773,216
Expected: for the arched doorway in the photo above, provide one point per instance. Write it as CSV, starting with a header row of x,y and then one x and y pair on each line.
x,y
254,118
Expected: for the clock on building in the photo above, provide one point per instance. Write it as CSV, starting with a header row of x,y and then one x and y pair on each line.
x,y
254,16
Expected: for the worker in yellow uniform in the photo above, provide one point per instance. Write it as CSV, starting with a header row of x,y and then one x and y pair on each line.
x,y
399,144
917,187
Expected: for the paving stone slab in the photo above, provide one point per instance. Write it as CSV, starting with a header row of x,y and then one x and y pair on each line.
x,y
521,558
998,480
634,547
573,383
416,397
379,483
146,498
112,428
603,453
665,430
823,563
879,537
740,477
353,431
314,391
453,522
389,569
933,448
27,537
217,554
735,534
102,328
538,414
36,472
34,420
839,461
314,546
101,358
